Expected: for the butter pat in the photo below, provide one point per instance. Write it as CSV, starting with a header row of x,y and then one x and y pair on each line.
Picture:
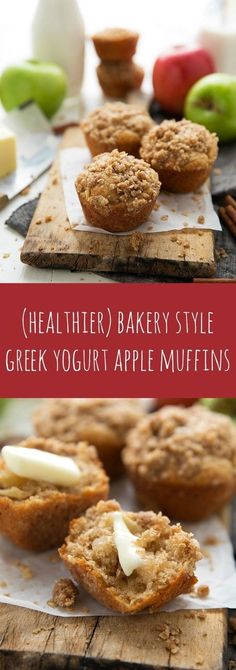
x,y
125,542
41,466
7,151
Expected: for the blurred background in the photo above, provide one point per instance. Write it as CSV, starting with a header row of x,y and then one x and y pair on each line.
x,y
160,22
16,414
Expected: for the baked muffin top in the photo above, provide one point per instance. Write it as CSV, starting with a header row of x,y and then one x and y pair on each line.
x,y
116,123
179,444
115,34
103,421
21,488
178,145
117,178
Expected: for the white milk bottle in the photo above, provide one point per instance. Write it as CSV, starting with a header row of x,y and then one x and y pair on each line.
x,y
218,34
58,35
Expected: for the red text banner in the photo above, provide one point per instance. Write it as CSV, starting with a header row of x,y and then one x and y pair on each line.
x,y
115,340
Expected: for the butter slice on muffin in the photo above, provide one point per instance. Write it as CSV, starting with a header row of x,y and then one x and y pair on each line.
x,y
43,485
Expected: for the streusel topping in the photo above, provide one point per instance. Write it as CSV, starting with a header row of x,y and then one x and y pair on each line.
x,y
175,145
103,419
118,178
113,122
177,444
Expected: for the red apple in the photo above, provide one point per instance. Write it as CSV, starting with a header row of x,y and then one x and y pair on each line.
x,y
184,402
175,73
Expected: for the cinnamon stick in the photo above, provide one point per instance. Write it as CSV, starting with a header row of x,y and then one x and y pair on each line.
x,y
228,214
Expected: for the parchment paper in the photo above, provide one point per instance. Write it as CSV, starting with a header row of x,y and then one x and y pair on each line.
x,y
175,212
26,579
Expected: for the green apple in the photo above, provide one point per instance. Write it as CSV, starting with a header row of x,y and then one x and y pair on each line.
x,y
212,103
43,82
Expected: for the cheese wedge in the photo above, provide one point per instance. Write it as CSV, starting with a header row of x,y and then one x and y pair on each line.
x,y
125,542
41,466
7,151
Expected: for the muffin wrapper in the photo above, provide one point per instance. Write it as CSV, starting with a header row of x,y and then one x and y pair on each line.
x,y
27,579
175,212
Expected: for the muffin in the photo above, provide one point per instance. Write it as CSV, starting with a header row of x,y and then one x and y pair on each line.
x,y
119,78
103,422
115,44
35,515
183,461
162,568
183,153
117,192
116,126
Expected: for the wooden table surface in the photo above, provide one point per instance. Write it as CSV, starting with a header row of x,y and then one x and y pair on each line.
x,y
35,641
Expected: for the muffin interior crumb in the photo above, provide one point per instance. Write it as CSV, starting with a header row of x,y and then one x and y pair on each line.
x,y
65,594
167,550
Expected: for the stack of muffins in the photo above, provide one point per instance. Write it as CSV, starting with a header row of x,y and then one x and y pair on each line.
x,y
117,73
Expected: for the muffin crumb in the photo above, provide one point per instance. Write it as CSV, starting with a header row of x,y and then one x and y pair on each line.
x,y
65,594
203,591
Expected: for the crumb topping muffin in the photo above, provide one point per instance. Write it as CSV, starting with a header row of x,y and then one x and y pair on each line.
x,y
177,144
36,514
103,422
116,126
176,148
168,553
183,460
117,192
115,44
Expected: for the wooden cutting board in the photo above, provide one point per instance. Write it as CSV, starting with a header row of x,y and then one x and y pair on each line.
x,y
51,243
35,641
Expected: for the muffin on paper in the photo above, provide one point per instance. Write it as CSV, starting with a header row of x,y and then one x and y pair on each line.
x,y
183,154
34,512
130,561
183,461
117,192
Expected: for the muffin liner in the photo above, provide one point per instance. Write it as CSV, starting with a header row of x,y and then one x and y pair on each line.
x,y
27,579
175,211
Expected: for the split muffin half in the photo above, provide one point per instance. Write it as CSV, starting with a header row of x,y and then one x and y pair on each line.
x,y
130,561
